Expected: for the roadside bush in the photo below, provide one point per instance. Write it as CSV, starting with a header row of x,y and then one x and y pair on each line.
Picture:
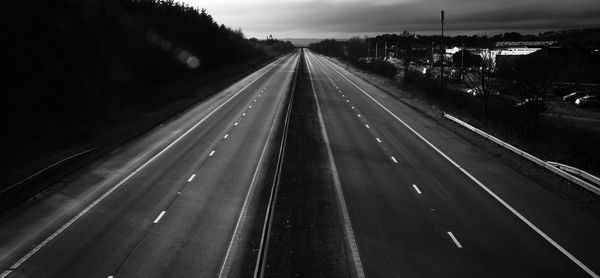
x,y
380,67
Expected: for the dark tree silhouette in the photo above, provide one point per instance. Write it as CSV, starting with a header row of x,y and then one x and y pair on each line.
x,y
69,66
483,80
534,77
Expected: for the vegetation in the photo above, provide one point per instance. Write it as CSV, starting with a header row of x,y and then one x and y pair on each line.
x,y
513,106
353,51
483,81
69,67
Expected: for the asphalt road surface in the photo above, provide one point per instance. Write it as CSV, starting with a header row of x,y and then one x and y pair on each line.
x,y
416,199
174,203
422,202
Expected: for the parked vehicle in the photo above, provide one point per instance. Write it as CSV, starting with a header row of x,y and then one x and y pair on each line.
x,y
575,95
532,102
478,91
588,101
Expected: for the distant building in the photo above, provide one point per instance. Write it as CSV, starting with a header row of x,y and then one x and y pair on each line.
x,y
505,58
453,50
524,44
465,58
567,62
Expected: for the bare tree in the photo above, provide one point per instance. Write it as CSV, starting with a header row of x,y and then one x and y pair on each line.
x,y
406,54
534,77
483,81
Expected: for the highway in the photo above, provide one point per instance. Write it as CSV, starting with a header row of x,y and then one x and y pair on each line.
x,y
187,199
180,201
419,201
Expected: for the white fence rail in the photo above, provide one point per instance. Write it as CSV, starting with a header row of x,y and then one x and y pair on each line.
x,y
576,171
530,157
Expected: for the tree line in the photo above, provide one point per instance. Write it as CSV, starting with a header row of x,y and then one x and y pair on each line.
x,y
67,64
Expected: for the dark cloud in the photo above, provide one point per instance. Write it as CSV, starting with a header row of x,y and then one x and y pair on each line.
x,y
311,18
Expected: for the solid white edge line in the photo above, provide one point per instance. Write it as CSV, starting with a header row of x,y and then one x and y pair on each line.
x,y
336,180
454,239
228,260
416,188
485,188
123,181
192,177
159,217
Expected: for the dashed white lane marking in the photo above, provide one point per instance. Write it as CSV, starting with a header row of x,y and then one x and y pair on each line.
x,y
336,180
394,159
416,188
249,106
243,114
347,101
455,240
379,141
159,217
352,107
111,276
65,226
367,126
236,123
254,100
192,177
541,233
358,115
233,243
226,135
211,153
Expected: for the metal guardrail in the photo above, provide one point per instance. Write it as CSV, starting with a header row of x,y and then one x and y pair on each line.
x,y
47,169
526,155
576,171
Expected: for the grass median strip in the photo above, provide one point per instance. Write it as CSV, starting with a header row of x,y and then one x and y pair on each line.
x,y
306,227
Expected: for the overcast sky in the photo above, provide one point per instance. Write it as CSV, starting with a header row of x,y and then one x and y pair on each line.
x,y
347,18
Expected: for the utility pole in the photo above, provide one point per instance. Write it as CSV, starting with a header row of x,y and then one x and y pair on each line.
x,y
443,49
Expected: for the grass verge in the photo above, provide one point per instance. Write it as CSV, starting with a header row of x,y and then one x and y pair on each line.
x,y
307,238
